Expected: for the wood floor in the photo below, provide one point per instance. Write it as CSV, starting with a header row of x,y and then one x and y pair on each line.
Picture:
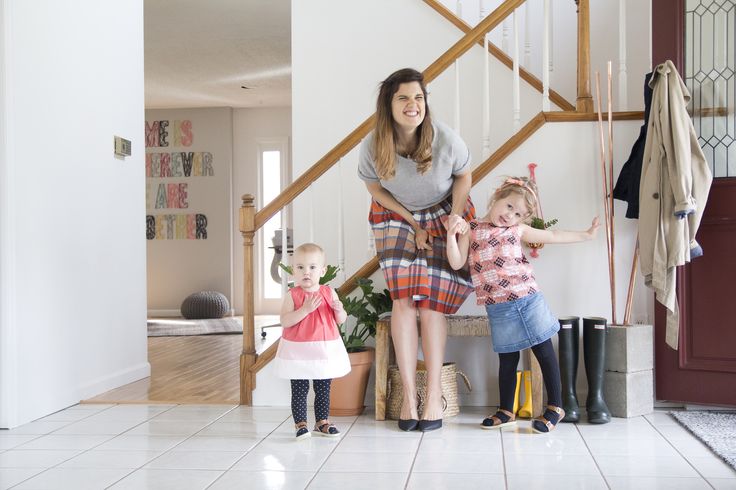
x,y
191,369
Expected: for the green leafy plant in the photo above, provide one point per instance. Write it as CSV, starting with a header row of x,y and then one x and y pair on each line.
x,y
366,309
329,275
540,224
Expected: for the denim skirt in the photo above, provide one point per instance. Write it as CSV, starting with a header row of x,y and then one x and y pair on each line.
x,y
522,323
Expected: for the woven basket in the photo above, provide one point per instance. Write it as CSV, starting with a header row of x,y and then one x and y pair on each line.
x,y
449,389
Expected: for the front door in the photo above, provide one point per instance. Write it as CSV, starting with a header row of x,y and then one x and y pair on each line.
x,y
692,33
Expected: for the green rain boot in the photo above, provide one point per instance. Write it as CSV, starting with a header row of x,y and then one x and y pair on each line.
x,y
569,342
594,350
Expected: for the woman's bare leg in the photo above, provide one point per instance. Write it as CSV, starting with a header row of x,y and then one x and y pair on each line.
x,y
405,338
434,338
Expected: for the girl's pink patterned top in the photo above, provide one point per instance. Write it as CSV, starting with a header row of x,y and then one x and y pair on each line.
x,y
498,267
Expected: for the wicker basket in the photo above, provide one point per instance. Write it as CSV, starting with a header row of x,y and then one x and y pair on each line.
x,y
449,389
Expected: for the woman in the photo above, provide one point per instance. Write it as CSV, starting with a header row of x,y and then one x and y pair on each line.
x,y
418,173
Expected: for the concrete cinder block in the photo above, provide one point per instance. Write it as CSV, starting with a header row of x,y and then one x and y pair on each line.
x,y
629,349
629,394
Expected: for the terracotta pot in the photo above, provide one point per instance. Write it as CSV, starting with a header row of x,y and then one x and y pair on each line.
x,y
348,393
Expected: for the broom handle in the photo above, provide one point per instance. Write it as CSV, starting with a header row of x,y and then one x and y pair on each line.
x,y
632,281
605,189
610,193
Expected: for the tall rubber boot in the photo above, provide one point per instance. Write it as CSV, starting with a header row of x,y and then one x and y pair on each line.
x,y
516,393
525,411
569,342
594,351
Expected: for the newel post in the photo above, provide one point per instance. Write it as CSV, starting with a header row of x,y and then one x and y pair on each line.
x,y
248,356
584,101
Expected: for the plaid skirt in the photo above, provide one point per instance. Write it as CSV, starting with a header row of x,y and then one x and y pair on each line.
x,y
408,271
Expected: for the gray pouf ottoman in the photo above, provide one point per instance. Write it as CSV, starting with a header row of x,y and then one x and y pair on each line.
x,y
205,304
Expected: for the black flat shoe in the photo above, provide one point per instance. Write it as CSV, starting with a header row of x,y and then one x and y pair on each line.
x,y
427,425
408,424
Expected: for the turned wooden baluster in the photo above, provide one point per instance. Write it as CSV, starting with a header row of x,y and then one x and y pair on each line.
x,y
584,101
248,356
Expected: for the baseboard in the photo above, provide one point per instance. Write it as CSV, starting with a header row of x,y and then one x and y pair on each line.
x,y
115,380
163,313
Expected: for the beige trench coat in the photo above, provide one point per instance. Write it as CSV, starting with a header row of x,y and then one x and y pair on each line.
x,y
675,180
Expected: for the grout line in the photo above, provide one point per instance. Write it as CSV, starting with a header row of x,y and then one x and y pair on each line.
x,y
246,452
413,461
595,461
503,455
39,436
342,438
678,451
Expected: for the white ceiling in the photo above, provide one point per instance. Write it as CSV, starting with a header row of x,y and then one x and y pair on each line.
x,y
198,53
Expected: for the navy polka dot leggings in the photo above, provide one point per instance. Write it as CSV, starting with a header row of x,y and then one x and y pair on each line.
x,y
299,390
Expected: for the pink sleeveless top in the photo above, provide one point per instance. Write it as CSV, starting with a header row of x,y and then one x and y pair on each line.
x,y
498,267
319,324
312,349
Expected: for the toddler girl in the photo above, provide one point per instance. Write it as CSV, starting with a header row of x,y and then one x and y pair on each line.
x,y
311,346
504,282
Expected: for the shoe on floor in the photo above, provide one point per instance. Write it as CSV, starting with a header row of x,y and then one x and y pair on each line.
x,y
502,418
301,431
428,425
326,429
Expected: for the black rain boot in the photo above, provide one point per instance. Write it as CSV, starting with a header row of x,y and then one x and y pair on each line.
x,y
594,352
569,342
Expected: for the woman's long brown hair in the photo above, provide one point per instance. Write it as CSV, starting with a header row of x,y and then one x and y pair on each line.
x,y
385,137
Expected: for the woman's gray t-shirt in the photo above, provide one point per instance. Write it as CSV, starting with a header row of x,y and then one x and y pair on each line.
x,y
450,157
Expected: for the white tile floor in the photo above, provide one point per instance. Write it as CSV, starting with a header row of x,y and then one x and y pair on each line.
x,y
221,447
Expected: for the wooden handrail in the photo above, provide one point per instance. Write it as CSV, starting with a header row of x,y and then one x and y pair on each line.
x,y
341,149
509,146
591,116
498,53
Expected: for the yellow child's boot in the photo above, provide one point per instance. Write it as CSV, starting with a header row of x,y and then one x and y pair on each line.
x,y
526,409
516,393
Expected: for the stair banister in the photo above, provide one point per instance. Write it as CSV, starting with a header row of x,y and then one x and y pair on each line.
x,y
516,90
347,144
248,356
546,106
584,101
501,56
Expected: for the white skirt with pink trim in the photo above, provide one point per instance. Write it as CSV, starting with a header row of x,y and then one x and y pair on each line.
x,y
323,359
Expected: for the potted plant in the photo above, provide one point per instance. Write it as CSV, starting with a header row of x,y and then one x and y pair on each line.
x,y
540,224
364,310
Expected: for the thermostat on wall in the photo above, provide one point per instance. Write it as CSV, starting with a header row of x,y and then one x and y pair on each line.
x,y
122,146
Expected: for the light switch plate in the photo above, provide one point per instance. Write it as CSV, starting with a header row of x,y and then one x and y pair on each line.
x,y
122,146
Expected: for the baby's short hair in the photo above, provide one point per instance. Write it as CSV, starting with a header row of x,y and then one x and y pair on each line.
x,y
309,248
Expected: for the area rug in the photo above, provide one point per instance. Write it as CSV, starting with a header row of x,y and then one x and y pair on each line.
x,y
716,429
170,327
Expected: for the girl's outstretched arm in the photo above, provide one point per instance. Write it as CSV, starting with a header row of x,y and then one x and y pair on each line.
x,y
457,246
534,235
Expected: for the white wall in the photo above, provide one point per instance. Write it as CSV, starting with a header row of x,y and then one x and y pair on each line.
x,y
178,266
72,248
251,126
335,100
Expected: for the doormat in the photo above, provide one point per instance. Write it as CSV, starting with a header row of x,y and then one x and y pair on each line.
x,y
171,327
716,429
